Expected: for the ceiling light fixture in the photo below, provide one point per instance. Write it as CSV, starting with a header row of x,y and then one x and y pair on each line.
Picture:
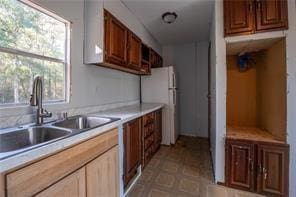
x,y
169,17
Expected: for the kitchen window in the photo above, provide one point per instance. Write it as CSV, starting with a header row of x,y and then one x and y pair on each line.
x,y
33,41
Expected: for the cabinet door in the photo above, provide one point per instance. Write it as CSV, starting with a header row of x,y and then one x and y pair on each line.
x,y
134,51
239,17
102,175
271,14
158,129
71,186
240,165
132,149
115,41
273,170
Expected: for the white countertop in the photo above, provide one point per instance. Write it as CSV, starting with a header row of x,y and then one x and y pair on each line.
x,y
124,113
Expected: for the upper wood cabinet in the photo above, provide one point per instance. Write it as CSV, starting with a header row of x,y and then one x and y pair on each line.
x,y
134,51
132,147
110,43
238,17
249,16
145,66
273,170
115,41
271,14
155,59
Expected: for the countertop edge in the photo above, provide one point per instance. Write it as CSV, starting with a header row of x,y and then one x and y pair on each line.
x,y
22,159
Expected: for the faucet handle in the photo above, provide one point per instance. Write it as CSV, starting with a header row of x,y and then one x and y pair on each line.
x,y
62,115
65,115
47,113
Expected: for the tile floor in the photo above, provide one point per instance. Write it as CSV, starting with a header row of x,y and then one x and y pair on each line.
x,y
183,170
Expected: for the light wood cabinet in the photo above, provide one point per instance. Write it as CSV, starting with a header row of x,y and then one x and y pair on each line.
x,y
63,173
72,185
257,166
102,175
248,16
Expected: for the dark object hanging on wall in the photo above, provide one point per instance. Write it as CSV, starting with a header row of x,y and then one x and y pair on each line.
x,y
245,61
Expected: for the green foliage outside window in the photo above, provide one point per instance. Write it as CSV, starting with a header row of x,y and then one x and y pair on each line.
x,y
38,42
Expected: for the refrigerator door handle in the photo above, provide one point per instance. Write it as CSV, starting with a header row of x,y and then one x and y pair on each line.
x,y
174,79
174,97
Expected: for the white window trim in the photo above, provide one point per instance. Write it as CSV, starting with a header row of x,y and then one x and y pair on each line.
x,y
66,62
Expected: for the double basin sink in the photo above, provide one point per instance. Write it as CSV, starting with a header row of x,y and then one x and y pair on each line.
x,y
33,136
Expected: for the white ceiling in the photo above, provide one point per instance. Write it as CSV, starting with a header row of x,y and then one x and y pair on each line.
x,y
192,24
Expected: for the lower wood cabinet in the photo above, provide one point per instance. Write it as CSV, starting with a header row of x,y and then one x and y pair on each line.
x,y
260,167
142,137
240,165
151,135
158,129
72,185
102,175
273,170
90,168
132,149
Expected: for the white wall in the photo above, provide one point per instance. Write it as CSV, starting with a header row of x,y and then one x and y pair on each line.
x,y
90,85
213,91
191,63
220,66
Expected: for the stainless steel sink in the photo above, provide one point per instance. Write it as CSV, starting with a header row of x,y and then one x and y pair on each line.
x,y
23,138
83,122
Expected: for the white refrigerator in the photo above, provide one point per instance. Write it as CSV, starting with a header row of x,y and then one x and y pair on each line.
x,y
161,87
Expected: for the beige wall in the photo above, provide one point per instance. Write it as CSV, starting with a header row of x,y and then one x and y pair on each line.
x,y
257,97
241,95
272,90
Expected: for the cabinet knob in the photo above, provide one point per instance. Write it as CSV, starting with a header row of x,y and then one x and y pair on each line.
x,y
264,173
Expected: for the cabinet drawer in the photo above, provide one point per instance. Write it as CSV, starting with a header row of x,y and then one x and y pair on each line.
x,y
148,119
33,178
148,130
148,142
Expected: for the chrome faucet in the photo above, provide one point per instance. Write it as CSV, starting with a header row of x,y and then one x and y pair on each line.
x,y
36,100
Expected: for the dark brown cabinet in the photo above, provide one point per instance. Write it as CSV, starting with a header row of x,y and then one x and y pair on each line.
x,y
155,59
271,14
249,16
257,166
273,170
132,149
157,130
123,49
238,17
115,41
142,138
145,67
151,135
134,51
240,165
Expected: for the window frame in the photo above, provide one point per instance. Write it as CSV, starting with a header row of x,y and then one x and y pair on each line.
x,y
65,62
